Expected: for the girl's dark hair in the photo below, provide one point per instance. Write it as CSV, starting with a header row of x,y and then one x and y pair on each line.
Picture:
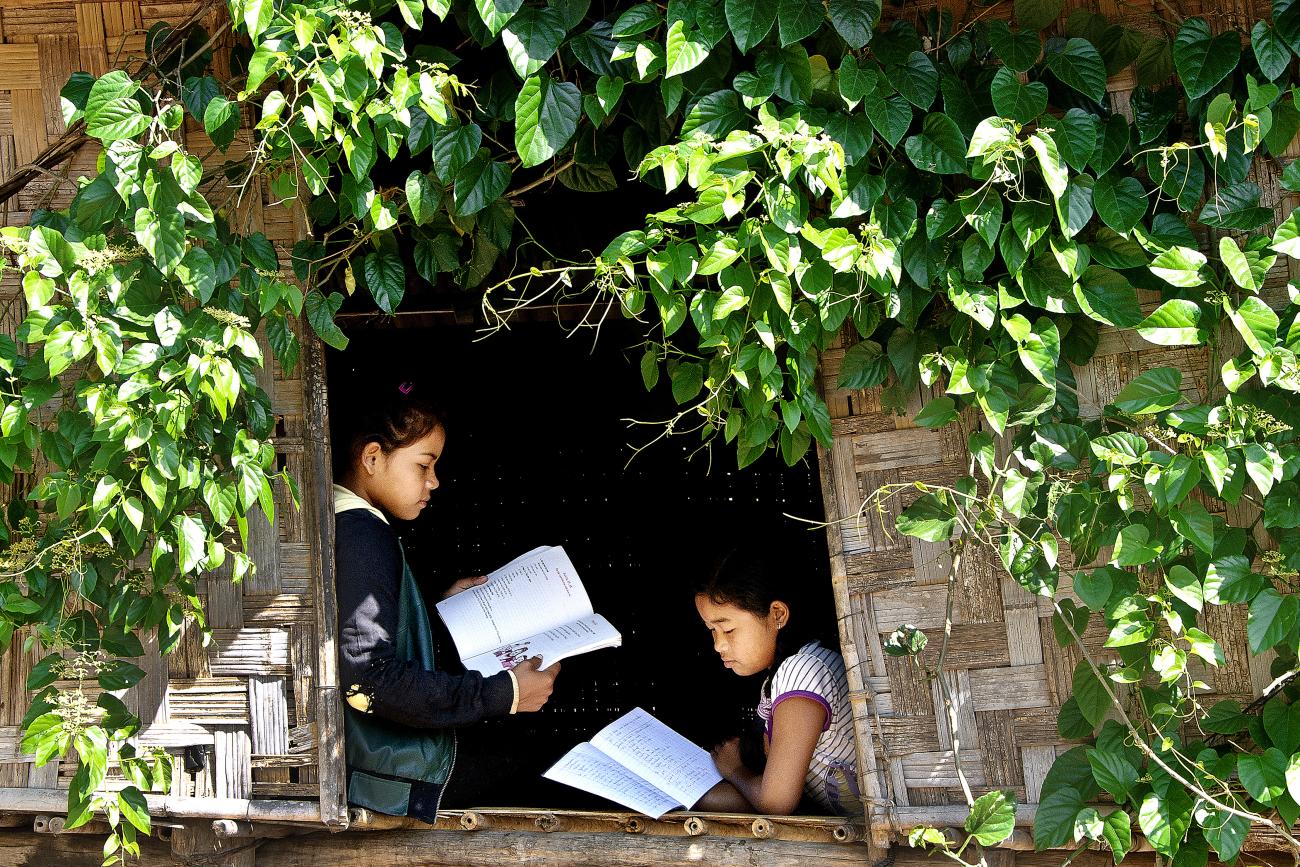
x,y
393,414
752,581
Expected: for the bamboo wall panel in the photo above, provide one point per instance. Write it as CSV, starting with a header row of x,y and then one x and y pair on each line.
x,y
241,710
1003,664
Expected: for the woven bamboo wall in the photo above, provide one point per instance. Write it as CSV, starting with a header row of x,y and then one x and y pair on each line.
x,y
1003,666
249,702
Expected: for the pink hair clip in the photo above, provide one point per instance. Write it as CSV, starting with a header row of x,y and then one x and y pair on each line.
x,y
405,388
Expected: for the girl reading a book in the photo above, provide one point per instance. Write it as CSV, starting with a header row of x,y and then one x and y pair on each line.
x,y
747,603
401,709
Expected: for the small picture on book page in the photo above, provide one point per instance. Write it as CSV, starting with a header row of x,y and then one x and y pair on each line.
x,y
512,654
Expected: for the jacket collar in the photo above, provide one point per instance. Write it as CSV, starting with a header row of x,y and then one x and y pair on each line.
x,y
346,501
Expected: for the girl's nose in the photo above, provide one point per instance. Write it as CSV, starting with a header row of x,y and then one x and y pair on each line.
x,y
432,482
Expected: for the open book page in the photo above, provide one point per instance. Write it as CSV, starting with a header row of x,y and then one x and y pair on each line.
x,y
652,750
587,768
581,636
527,596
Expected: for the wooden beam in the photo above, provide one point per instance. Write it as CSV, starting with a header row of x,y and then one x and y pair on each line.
x,y
439,848
332,770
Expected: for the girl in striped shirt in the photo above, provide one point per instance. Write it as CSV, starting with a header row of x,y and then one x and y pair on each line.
x,y
808,737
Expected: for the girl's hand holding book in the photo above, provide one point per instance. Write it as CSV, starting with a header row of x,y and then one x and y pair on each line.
x,y
534,686
464,584
726,756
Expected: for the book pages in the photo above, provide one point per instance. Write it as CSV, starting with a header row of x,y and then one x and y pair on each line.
x,y
587,768
570,639
528,596
663,757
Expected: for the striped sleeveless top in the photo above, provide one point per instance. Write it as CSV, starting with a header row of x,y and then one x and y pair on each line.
x,y
817,673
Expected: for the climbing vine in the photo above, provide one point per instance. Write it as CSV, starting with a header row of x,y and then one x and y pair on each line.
x,y
961,197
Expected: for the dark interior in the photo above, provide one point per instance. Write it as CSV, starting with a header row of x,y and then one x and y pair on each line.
x,y
538,453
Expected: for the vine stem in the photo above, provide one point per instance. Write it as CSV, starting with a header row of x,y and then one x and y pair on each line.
x,y
949,705
1145,748
550,175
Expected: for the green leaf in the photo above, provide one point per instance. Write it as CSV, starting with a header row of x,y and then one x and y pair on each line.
x,y
854,19
1203,60
1113,772
1260,466
638,19
1090,694
454,147
1272,54
386,278
1018,49
320,314
1106,296
937,413
163,236
891,117
1180,266
1286,239
221,121
1132,548
1186,586
865,366
191,542
1118,834
750,21
916,80
1054,819
117,119
1164,818
1235,207
1021,102
687,380
1194,524
546,116
133,805
479,183
1247,269
257,16
939,148
1055,174
1153,391
1035,15
1076,137
1226,833
1120,201
531,38
1272,618
798,19
992,818
928,519
1174,323
1256,323
1078,65
1263,775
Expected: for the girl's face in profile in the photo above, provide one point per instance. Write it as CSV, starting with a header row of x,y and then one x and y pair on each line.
x,y
745,641
401,481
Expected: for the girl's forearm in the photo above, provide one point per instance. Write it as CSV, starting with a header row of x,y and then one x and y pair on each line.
x,y
724,798
749,785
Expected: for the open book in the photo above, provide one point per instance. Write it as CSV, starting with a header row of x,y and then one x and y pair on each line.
x,y
640,763
535,605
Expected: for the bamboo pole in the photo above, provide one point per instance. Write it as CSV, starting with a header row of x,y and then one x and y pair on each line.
x,y
813,829
55,801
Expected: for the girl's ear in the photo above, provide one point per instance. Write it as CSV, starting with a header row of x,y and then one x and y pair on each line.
x,y
370,455
780,613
